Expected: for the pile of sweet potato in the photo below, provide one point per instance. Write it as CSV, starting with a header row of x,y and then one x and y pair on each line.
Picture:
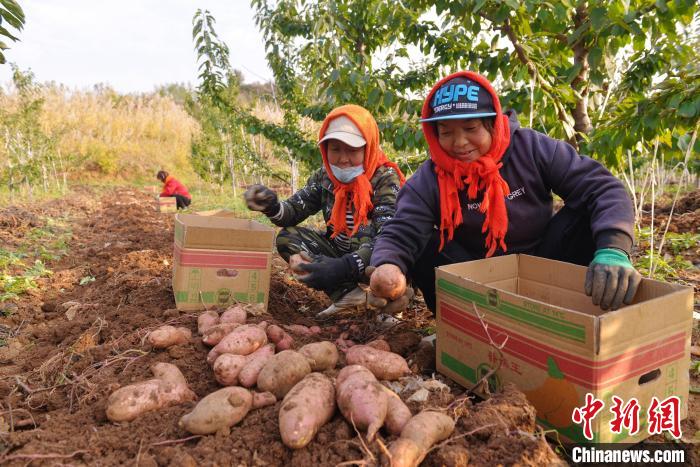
x,y
258,364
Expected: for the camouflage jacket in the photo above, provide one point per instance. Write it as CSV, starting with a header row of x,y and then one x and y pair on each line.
x,y
317,195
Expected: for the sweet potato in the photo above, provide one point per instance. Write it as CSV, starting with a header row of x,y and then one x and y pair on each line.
x,y
206,320
344,344
306,408
282,340
243,340
361,399
219,410
262,399
380,344
262,325
387,281
227,368
166,336
384,365
321,355
298,329
397,414
418,436
282,371
234,314
294,261
169,387
255,362
214,334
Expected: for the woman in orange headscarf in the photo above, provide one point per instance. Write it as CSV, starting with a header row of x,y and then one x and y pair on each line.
x,y
356,191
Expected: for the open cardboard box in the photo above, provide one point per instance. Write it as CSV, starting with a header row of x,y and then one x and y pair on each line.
x,y
220,260
167,204
560,346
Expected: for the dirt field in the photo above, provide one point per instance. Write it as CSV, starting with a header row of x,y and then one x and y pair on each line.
x,y
68,346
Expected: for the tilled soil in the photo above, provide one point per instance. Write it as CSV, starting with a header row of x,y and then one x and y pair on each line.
x,y
70,345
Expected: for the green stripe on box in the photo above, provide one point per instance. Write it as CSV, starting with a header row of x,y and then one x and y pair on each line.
x,y
458,367
261,297
241,296
208,297
549,324
181,296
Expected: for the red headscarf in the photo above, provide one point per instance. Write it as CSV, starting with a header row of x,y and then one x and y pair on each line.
x,y
479,175
360,188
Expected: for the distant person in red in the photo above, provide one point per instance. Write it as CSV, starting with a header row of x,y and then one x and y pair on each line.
x,y
174,189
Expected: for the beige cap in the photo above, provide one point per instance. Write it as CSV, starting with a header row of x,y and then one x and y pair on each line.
x,y
343,129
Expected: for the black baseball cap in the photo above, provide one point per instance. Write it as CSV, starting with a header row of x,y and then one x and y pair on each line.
x,y
460,98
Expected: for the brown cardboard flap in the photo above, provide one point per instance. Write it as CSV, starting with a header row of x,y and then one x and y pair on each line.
x,y
650,289
222,232
509,285
486,270
554,273
654,318
560,297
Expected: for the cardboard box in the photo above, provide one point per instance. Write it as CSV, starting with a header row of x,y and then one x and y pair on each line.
x,y
220,260
560,346
167,204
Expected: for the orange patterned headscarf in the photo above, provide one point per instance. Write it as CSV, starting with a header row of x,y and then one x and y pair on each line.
x,y
359,189
481,175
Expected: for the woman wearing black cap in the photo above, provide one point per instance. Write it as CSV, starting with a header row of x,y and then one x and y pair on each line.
x,y
487,190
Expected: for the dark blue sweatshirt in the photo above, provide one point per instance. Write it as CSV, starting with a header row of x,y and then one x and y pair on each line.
x,y
534,166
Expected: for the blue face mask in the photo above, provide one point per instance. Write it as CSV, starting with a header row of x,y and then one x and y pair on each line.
x,y
347,175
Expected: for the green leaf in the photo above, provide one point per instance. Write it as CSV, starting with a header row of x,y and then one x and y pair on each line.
x,y
388,99
335,75
553,370
418,138
675,101
373,97
6,33
573,72
595,55
478,5
598,18
687,110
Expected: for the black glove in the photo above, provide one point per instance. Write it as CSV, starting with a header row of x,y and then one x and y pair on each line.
x,y
327,273
611,280
261,198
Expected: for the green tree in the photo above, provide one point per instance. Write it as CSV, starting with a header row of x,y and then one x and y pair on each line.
x,y
26,152
221,152
569,68
10,14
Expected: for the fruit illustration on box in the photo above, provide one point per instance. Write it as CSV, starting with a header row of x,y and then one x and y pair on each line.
x,y
556,399
494,382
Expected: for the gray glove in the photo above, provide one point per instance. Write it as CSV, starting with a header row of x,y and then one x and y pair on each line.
x,y
611,280
261,198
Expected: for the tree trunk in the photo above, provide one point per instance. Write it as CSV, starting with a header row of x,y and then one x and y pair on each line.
x,y
231,169
294,172
580,84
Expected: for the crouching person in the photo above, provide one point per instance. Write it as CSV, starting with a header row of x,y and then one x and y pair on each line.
x,y
173,188
356,191
487,190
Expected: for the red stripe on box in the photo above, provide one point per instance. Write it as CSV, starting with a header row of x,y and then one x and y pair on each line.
x,y
233,259
587,373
